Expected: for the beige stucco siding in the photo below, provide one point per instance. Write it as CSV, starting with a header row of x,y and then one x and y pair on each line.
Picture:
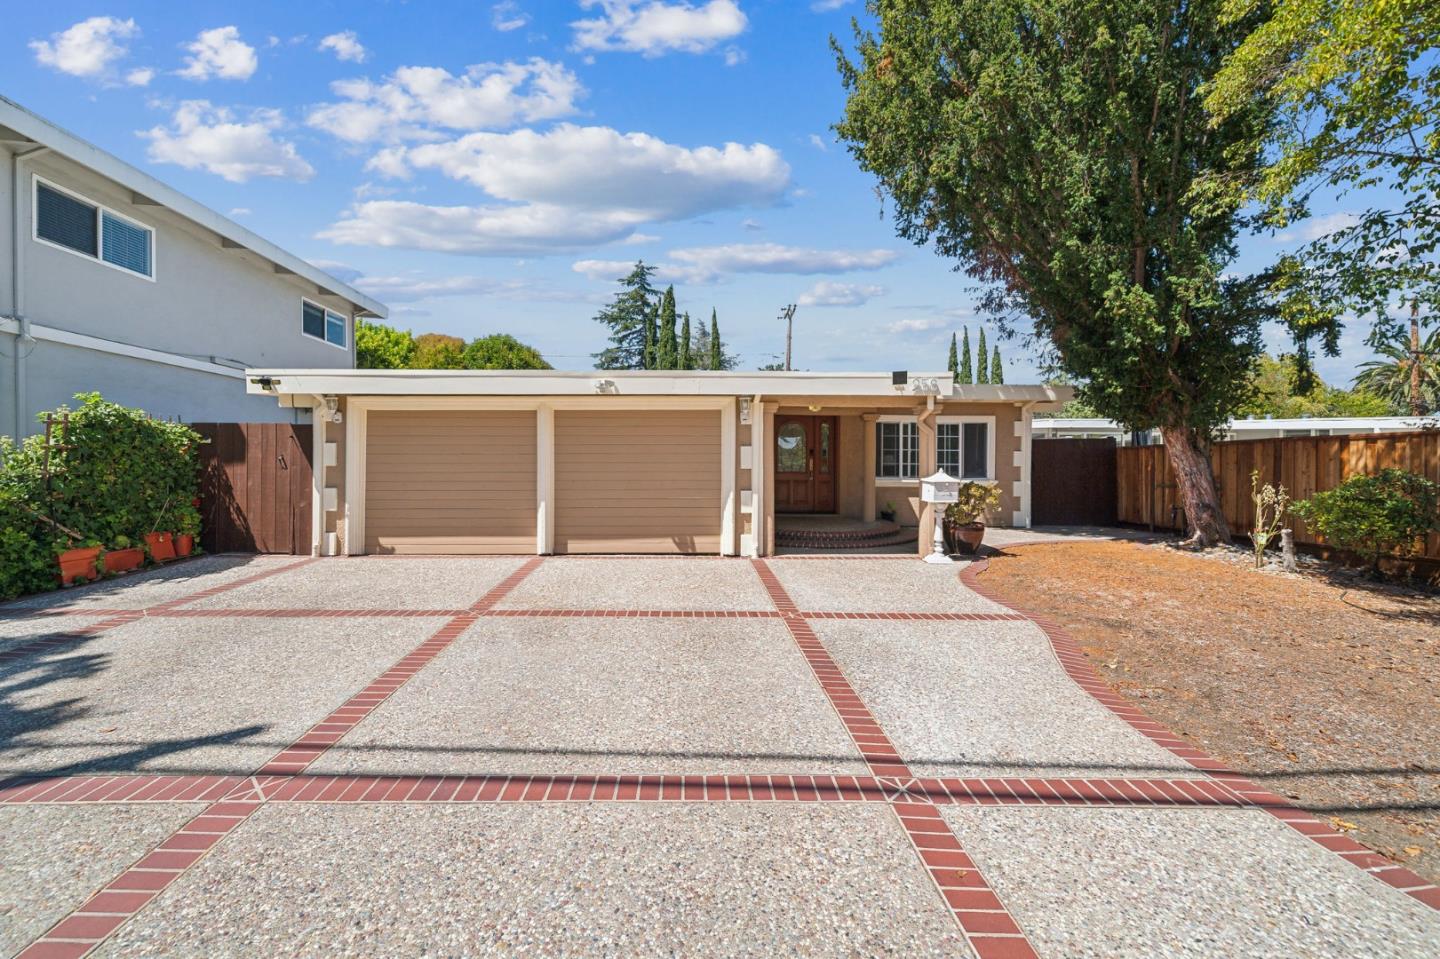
x,y
643,481
450,482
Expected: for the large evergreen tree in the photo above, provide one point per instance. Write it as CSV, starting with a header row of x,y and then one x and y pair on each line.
x,y
652,335
719,358
626,317
666,353
687,356
953,364
997,372
967,370
982,357
1060,150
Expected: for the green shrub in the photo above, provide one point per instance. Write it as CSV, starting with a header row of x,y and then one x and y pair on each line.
x,y
114,475
1375,515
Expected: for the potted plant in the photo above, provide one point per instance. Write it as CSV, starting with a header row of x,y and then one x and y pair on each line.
x,y
187,527
124,557
161,546
965,518
78,562
887,513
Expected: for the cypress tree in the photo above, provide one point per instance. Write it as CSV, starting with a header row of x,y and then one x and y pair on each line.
x,y
982,370
717,352
997,372
954,364
966,376
665,352
687,359
652,318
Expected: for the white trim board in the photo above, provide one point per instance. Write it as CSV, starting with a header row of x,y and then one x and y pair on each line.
x,y
51,334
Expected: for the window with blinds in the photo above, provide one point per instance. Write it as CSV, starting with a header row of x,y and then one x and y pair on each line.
x,y
75,224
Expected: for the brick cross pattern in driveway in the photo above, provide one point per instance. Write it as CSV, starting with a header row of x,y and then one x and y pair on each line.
x,y
626,756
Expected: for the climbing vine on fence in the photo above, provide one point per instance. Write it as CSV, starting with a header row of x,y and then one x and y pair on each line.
x,y
105,476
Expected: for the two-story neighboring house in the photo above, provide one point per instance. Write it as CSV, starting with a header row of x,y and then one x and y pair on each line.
x,y
113,282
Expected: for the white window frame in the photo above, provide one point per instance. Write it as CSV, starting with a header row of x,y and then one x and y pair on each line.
x,y
898,480
101,209
345,320
989,422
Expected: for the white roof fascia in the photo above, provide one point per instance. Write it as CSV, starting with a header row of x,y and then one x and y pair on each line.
x,y
45,133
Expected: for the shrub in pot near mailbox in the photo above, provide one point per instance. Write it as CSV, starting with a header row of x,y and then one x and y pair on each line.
x,y
965,518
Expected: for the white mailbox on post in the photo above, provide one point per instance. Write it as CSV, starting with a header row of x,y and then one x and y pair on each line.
x,y
936,490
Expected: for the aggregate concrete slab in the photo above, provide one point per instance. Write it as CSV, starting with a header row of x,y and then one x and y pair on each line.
x,y
1185,884
452,582
161,584
536,880
558,695
640,583
189,695
19,632
54,857
985,699
901,585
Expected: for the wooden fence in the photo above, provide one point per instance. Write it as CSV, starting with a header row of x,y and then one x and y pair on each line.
x,y
255,488
1072,482
1145,484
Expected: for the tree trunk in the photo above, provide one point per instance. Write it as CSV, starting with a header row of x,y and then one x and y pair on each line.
x,y
1196,483
1416,407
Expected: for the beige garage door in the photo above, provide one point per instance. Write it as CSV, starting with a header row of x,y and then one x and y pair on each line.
x,y
637,482
450,482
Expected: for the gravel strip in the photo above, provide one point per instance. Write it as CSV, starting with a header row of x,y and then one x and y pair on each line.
x,y
618,696
890,586
1188,884
617,880
189,695
159,585
986,699
342,583
626,583
56,856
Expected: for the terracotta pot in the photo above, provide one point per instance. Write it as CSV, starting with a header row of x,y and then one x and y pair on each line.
x,y
78,564
184,544
124,560
161,545
963,538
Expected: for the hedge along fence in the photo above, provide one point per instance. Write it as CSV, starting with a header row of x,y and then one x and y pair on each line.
x,y
1304,465
106,472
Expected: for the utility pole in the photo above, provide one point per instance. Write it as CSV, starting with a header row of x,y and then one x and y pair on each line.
x,y
787,313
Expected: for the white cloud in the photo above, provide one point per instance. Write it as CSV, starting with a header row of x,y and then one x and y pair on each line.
x,y
219,53
639,239
87,48
924,325
203,136
240,211
655,28
508,16
140,77
818,143
827,293
707,262
1317,227
825,6
345,45
413,101
752,224
478,230
734,56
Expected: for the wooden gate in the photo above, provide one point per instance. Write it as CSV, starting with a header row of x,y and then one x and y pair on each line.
x,y
255,487
1072,482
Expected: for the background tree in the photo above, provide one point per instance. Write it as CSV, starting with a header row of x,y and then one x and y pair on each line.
x,y
997,371
716,358
686,359
501,351
967,374
1280,388
666,354
1406,377
381,347
652,336
982,356
1059,149
952,363
626,317
438,351
1357,87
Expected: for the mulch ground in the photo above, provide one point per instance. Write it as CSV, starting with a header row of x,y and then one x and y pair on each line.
x,y
1321,685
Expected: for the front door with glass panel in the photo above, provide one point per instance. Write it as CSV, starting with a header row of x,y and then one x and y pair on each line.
x,y
805,464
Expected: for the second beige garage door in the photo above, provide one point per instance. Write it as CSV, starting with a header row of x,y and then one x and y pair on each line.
x,y
450,482
637,482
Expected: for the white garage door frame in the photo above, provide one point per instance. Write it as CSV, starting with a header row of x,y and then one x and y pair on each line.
x,y
356,438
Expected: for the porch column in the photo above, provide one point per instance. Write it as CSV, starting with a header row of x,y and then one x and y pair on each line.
x,y
767,452
925,419
545,479
867,498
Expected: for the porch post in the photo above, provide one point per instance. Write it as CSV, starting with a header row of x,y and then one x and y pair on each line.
x,y
925,419
728,510
767,503
867,498
544,479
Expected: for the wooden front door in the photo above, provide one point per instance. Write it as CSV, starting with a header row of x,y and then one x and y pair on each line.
x,y
805,448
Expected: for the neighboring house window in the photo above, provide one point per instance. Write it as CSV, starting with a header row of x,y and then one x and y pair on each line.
x,y
322,324
897,450
73,223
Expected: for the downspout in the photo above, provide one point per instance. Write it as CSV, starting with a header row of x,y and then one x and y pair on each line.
x,y
24,342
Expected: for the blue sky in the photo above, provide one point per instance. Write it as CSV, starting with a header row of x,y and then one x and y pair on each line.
x,y
491,167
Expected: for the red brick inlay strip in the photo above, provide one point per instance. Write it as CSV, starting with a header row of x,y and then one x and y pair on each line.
x,y
1078,668
96,919
991,931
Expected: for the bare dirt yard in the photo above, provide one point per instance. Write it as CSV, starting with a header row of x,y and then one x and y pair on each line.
x,y
1322,685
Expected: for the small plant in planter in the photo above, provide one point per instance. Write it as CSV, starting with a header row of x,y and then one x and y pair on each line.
x,y
187,527
78,562
887,513
161,546
124,556
965,518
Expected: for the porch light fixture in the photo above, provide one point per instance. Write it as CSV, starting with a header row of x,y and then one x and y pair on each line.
x,y
814,407
606,386
744,411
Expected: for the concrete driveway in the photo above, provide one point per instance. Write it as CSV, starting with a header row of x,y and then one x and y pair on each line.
x,y
625,756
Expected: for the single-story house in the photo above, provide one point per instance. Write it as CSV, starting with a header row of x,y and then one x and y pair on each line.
x,y
422,461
